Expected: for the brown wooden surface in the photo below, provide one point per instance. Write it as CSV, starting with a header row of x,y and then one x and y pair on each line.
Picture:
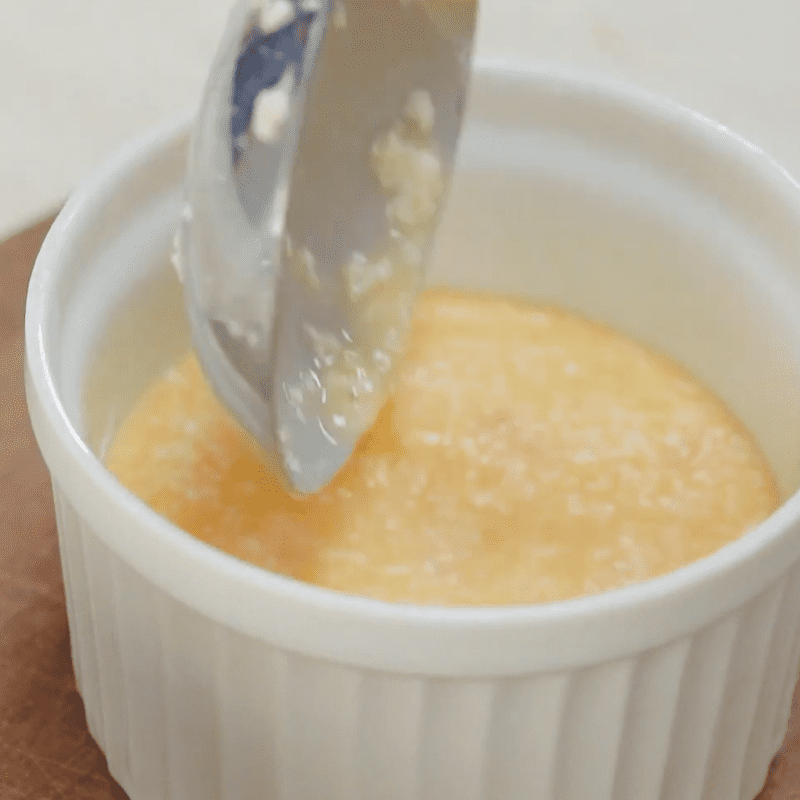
x,y
45,748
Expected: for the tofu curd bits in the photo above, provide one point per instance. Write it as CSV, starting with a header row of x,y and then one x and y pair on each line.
x,y
525,456
356,369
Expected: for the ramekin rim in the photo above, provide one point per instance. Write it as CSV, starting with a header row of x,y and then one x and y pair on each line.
x,y
729,557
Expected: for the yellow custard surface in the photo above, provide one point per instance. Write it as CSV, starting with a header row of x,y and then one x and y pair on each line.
x,y
526,456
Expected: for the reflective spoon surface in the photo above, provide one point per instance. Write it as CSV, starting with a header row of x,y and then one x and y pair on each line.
x,y
318,167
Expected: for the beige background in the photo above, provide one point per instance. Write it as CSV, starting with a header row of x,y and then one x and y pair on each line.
x,y
79,76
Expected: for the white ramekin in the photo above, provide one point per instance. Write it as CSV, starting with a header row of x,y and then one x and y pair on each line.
x,y
204,677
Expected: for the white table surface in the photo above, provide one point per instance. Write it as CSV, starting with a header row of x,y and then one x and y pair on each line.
x,y
77,77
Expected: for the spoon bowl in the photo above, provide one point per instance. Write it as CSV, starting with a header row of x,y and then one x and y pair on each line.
x,y
318,168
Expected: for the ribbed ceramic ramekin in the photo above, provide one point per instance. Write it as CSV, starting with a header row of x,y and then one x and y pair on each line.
x,y
205,678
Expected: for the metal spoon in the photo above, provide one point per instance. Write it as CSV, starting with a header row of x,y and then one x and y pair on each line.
x,y
318,168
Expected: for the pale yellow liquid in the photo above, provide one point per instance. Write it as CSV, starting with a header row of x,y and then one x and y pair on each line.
x,y
527,456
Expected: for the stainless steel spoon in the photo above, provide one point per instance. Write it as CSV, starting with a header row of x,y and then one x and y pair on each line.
x,y
318,168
